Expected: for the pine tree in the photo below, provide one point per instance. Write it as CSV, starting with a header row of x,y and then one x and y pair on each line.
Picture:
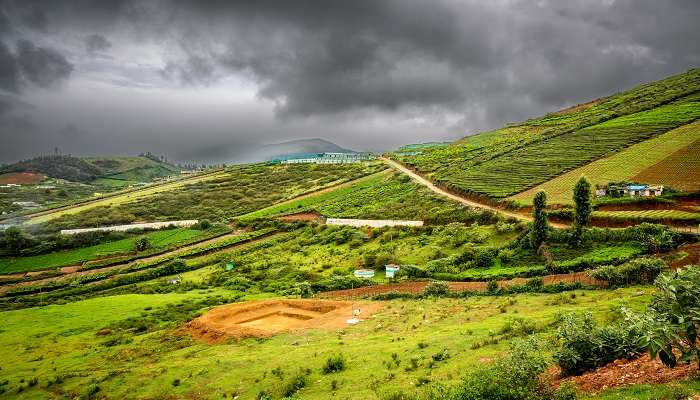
x,y
582,209
540,226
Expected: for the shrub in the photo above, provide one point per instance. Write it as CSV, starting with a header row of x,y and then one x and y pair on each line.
x,y
672,322
142,244
582,209
641,270
297,383
334,363
436,289
585,346
516,376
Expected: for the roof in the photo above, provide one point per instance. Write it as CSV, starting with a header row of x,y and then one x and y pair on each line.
x,y
636,187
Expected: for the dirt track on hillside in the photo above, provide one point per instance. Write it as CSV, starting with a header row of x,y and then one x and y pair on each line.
x,y
461,199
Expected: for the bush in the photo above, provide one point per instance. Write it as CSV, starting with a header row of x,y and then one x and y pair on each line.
x,y
142,244
334,364
639,271
297,383
672,322
585,346
516,376
436,289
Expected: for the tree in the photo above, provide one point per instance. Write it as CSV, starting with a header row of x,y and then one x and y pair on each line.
x,y
540,226
582,208
142,244
15,240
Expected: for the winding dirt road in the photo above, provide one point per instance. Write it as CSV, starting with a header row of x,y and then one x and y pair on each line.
x,y
468,202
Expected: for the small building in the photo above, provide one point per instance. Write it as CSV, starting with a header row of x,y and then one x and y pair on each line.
x,y
176,280
26,204
326,158
364,273
391,270
642,190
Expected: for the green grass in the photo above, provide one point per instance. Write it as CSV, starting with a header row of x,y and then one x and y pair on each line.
x,y
681,389
159,239
650,216
512,159
381,196
60,340
219,196
621,166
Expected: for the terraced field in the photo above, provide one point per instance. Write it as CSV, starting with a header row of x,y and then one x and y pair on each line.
x,y
523,168
507,161
650,215
667,159
680,170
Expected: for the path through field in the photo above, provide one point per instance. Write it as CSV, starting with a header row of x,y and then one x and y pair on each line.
x,y
425,182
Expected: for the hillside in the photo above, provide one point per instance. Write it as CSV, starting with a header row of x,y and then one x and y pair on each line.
x,y
109,170
513,159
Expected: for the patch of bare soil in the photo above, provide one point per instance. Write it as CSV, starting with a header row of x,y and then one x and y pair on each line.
x,y
21,178
628,372
270,317
692,258
302,216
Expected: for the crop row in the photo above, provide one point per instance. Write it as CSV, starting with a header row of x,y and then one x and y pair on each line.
x,y
649,215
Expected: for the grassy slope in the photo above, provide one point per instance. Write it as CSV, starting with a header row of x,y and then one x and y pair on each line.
x,y
46,342
627,164
159,239
381,196
512,159
219,196
680,170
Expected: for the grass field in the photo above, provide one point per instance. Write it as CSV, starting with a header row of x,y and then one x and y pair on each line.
x,y
680,170
510,160
382,196
61,349
632,164
650,215
159,239
219,196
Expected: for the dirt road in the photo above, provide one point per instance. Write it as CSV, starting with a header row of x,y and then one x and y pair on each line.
x,y
468,202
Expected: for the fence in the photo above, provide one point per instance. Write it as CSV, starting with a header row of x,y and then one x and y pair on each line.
x,y
122,228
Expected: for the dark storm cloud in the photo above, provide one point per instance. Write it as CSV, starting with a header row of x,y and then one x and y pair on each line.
x,y
9,71
43,67
97,42
368,74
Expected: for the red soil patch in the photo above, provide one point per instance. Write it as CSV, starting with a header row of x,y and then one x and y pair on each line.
x,y
628,372
416,287
302,216
270,317
693,257
26,178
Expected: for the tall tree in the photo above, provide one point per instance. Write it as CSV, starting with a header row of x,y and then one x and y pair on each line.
x,y
540,226
582,208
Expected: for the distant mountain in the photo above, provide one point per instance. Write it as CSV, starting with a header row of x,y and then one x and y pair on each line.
x,y
296,148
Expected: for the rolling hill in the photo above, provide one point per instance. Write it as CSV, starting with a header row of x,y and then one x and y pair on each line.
x,y
507,161
104,170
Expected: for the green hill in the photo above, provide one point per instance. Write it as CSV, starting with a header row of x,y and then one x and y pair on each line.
x,y
515,158
105,170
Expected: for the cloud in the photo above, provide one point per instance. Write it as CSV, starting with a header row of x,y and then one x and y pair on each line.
x,y
9,71
95,43
42,66
193,71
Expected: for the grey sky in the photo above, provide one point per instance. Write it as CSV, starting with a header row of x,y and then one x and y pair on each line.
x,y
211,80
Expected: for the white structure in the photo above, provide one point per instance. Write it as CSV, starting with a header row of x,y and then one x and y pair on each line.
x,y
123,228
391,270
374,223
364,273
